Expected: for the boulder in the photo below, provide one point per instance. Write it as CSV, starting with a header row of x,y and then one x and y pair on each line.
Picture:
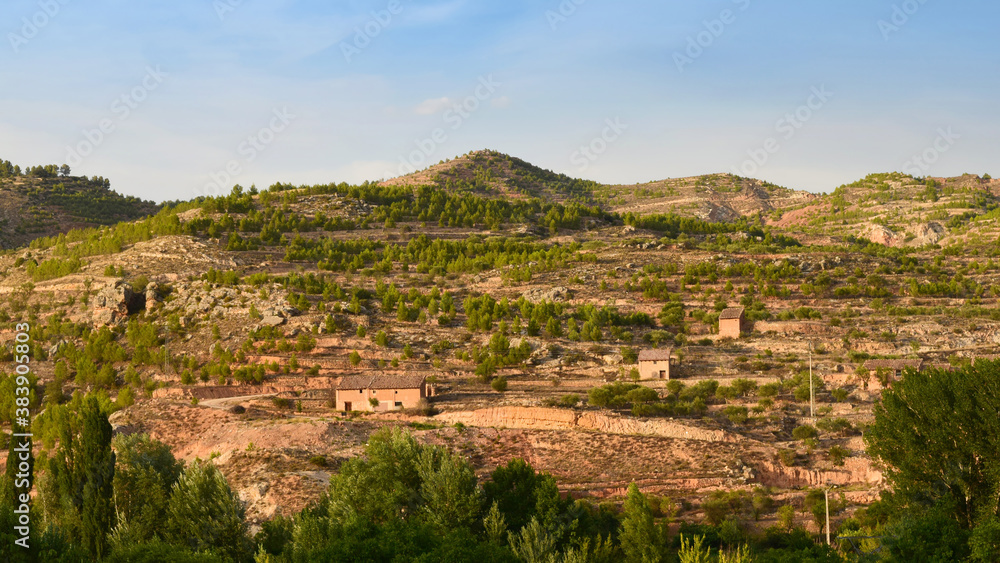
x,y
115,303
880,234
273,320
930,233
152,295
550,294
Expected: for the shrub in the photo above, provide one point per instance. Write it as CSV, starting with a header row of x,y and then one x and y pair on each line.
x,y
787,457
569,401
837,454
318,460
805,432
834,425
424,408
736,415
629,355
769,390
139,283
499,384
281,403
744,387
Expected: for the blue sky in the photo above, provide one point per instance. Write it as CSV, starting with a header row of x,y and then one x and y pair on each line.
x,y
197,95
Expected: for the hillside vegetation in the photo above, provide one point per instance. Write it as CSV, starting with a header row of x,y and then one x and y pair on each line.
x,y
222,325
47,200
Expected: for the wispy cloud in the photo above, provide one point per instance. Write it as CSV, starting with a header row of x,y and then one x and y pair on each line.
x,y
432,106
500,103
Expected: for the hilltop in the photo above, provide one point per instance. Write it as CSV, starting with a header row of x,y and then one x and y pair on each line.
x,y
494,174
45,201
221,326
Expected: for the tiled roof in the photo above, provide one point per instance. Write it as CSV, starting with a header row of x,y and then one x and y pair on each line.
x,y
655,355
731,313
381,382
893,364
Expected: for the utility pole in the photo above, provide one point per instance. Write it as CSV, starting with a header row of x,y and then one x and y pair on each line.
x,y
166,350
812,400
826,495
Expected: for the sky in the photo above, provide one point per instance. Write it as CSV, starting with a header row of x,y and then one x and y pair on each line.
x,y
175,99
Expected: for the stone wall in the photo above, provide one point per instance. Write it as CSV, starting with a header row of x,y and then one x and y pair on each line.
x,y
534,418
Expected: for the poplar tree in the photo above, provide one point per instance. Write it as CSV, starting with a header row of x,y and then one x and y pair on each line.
x,y
640,538
80,484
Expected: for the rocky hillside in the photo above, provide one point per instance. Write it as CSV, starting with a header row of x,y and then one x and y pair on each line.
x,y
221,327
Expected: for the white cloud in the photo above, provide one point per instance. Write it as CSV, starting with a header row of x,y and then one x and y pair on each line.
x,y
432,106
500,103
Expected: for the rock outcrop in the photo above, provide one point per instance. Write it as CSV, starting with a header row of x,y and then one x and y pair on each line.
x,y
854,471
550,294
534,418
115,303
930,233
881,235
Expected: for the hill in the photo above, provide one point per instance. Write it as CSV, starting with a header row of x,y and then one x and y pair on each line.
x,y
495,174
45,201
223,327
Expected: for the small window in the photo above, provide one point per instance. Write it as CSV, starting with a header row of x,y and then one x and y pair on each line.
x,y
360,391
399,405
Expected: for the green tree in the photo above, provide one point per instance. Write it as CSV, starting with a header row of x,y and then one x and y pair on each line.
x,y
534,544
380,487
203,513
156,551
640,539
145,473
937,435
513,488
10,496
79,486
448,488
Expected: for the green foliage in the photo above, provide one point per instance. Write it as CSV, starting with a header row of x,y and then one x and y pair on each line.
x,y
517,491
203,513
78,485
736,414
157,551
837,454
641,540
914,436
145,472
54,268
805,432
693,550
